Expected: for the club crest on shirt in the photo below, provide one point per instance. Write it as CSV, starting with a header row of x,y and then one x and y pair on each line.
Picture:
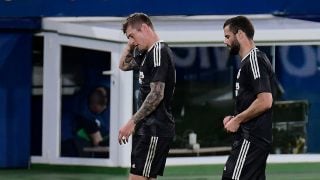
x,y
141,76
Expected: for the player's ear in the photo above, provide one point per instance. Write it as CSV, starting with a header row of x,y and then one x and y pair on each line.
x,y
240,34
144,27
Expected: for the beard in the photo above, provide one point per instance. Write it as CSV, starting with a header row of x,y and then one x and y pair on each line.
x,y
235,48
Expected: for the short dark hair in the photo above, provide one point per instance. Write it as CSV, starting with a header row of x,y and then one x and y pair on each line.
x,y
136,20
240,23
100,96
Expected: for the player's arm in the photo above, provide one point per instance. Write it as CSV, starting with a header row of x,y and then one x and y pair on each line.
x,y
151,102
262,103
127,61
260,81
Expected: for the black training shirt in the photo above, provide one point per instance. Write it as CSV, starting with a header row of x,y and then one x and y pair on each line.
x,y
254,76
157,65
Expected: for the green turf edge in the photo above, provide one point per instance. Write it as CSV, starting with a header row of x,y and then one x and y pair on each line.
x,y
281,168
272,168
193,170
79,169
293,167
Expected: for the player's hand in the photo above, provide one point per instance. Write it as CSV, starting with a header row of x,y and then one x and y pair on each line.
x,y
226,120
125,132
232,125
130,47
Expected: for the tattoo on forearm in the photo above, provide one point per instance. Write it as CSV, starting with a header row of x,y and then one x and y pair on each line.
x,y
129,62
128,58
151,102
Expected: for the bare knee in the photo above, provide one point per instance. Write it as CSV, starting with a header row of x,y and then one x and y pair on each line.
x,y
136,177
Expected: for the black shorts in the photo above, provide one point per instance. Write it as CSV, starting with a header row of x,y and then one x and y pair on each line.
x,y
247,161
149,154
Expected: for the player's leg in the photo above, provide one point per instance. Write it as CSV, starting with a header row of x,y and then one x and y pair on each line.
x,y
246,161
136,177
255,164
225,178
258,168
148,156
232,160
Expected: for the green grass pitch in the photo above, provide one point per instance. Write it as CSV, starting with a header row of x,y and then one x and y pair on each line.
x,y
292,171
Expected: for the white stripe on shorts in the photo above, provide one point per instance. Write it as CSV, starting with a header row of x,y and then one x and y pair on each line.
x,y
241,158
150,156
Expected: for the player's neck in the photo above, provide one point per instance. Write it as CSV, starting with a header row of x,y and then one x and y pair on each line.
x,y
152,44
246,47
153,39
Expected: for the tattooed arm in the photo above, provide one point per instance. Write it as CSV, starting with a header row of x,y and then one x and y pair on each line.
x,y
149,105
151,102
127,61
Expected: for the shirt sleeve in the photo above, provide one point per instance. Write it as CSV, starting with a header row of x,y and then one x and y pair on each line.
x,y
160,63
259,73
